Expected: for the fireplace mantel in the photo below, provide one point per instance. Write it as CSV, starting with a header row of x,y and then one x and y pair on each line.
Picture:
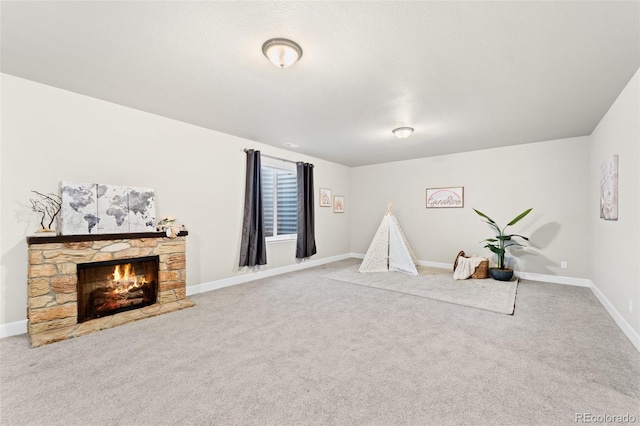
x,y
97,237
52,285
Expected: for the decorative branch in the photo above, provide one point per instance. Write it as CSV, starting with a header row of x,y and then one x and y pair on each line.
x,y
48,206
38,207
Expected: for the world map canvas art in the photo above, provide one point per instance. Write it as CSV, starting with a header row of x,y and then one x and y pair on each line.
x,y
89,208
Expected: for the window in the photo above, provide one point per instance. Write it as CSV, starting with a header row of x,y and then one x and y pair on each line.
x,y
280,194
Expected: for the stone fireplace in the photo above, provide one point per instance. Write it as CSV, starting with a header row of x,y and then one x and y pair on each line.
x,y
85,283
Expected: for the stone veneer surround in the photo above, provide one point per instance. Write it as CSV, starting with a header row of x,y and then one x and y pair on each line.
x,y
52,286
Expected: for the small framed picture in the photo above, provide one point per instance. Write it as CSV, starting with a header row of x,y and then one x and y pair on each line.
x,y
445,198
338,204
325,197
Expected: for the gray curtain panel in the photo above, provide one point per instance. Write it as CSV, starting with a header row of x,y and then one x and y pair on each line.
x,y
253,246
306,245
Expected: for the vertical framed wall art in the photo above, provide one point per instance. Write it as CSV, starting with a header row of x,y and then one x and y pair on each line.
x,y
113,209
609,188
325,197
338,204
79,212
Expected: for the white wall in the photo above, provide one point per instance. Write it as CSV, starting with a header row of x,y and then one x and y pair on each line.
x,y
49,135
548,176
615,245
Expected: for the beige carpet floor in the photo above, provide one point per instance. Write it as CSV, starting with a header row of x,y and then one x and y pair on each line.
x,y
298,349
438,284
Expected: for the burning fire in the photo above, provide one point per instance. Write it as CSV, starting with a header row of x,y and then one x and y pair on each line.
x,y
125,280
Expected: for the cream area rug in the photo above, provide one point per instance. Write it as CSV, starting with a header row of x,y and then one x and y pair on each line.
x,y
438,284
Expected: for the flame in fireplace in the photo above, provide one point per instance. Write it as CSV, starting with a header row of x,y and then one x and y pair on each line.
x,y
125,279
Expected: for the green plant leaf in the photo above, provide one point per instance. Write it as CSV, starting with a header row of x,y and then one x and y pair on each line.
x,y
517,218
490,240
491,221
517,235
496,250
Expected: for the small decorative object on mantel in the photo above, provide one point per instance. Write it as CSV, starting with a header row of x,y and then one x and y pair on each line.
x,y
47,206
170,225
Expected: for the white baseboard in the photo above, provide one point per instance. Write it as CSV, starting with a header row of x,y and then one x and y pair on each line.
x,y
619,319
13,328
251,276
555,279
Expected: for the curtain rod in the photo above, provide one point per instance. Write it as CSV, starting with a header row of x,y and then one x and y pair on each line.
x,y
274,158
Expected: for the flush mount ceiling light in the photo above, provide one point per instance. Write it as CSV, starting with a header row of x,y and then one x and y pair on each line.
x,y
282,52
403,132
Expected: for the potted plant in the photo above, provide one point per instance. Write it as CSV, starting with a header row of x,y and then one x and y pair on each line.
x,y
499,245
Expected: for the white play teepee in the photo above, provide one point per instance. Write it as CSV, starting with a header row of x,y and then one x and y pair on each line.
x,y
389,250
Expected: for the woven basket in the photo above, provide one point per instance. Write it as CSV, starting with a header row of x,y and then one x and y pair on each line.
x,y
481,272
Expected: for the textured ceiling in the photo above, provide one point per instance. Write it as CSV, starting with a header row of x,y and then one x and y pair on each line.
x,y
465,75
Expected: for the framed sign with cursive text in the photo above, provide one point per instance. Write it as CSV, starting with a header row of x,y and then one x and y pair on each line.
x,y
443,198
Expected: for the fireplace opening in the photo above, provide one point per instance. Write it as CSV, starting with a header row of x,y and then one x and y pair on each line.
x,y
107,288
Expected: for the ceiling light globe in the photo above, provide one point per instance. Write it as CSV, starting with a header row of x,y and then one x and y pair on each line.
x,y
282,52
403,132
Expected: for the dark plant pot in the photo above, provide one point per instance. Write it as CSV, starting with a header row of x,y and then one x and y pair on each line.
x,y
501,274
